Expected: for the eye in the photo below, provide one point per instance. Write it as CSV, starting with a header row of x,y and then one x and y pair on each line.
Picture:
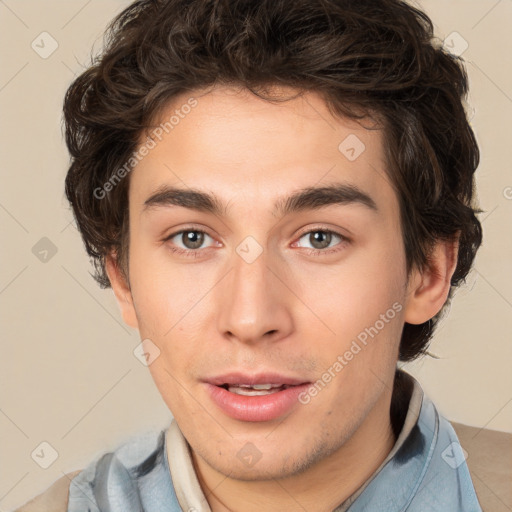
x,y
190,239
321,239
188,242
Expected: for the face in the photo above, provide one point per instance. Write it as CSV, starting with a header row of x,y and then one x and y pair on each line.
x,y
308,294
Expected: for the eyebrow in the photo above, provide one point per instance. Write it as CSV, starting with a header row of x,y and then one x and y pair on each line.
x,y
309,198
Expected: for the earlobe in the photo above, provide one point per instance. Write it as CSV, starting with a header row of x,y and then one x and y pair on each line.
x,y
428,289
121,291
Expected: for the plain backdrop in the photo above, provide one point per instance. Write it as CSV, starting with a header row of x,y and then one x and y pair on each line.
x,y
69,375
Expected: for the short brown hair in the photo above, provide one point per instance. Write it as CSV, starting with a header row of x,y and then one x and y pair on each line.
x,y
375,58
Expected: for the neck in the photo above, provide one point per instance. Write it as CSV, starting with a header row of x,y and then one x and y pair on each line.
x,y
348,469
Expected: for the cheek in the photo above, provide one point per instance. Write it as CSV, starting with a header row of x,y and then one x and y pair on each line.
x,y
175,389
170,311
341,301
162,293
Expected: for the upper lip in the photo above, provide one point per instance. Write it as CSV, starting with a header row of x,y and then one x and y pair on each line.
x,y
234,378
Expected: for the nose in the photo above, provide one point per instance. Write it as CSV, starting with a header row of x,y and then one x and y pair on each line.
x,y
254,303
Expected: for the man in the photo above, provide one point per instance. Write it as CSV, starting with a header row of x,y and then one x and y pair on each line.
x,y
280,195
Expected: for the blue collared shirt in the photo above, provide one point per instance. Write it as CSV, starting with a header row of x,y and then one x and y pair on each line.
x,y
426,471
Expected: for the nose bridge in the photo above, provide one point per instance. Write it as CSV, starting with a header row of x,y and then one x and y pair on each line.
x,y
253,301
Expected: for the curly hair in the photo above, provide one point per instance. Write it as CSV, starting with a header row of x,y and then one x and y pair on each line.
x,y
366,58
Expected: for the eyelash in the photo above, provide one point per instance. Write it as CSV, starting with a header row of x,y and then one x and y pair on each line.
x,y
193,253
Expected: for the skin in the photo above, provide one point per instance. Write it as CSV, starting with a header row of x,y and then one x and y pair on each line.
x,y
289,311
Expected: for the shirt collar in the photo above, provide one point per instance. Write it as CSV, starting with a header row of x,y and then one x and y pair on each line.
x,y
191,496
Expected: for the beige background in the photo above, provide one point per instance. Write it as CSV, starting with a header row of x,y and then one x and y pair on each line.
x,y
69,376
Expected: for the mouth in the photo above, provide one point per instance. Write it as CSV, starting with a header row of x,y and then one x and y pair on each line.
x,y
257,398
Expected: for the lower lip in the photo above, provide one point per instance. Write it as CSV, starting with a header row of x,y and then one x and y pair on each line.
x,y
256,408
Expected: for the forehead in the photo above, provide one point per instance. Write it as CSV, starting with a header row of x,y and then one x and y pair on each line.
x,y
247,150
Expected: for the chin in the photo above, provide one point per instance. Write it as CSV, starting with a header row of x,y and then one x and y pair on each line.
x,y
249,464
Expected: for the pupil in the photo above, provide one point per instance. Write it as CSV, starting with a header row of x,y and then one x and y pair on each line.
x,y
320,239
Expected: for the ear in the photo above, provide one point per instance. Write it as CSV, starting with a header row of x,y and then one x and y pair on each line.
x,y
121,290
428,289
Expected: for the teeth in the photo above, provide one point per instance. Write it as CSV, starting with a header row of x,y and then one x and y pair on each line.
x,y
256,386
261,386
256,390
252,392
